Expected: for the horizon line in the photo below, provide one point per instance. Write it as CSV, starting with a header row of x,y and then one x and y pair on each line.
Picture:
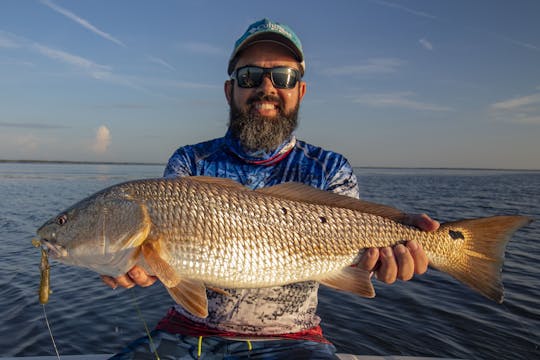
x,y
82,162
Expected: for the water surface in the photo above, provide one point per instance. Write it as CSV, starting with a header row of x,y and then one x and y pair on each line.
x,y
432,315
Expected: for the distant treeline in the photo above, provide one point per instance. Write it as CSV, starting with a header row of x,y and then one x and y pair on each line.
x,y
77,162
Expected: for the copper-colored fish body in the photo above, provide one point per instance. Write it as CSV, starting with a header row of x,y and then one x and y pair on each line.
x,y
200,232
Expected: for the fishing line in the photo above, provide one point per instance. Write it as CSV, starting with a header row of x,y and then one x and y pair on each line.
x,y
50,332
139,313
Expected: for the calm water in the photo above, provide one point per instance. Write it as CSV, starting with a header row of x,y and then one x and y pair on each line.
x,y
430,316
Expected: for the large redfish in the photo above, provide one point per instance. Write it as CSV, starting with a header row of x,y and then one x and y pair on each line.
x,y
195,233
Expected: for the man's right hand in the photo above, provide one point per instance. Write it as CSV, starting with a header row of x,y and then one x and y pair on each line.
x,y
136,276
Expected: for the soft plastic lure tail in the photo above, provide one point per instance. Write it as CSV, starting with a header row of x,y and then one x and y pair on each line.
x,y
44,288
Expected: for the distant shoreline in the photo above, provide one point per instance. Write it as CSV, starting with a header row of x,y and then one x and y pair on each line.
x,y
71,162
78,162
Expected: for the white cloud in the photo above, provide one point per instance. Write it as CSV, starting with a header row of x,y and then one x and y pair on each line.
x,y
8,40
527,119
426,44
161,62
519,43
202,48
97,71
404,8
518,102
521,110
370,66
102,140
398,99
27,143
84,23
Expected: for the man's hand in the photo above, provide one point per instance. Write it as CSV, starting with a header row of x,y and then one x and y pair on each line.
x,y
401,261
136,276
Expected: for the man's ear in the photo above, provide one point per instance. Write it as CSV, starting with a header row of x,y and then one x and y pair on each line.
x,y
228,88
302,90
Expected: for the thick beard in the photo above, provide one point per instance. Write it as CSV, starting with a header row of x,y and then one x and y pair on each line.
x,y
256,132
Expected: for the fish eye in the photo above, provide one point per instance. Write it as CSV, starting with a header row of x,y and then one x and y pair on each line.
x,y
61,219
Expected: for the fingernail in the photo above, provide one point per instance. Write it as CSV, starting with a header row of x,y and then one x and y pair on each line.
x,y
424,222
400,249
412,245
387,252
134,274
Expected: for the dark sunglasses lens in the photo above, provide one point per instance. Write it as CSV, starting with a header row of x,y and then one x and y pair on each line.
x,y
284,78
249,77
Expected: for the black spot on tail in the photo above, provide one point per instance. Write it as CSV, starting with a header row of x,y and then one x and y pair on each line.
x,y
456,235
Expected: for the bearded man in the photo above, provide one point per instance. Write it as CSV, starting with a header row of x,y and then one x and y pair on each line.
x,y
260,149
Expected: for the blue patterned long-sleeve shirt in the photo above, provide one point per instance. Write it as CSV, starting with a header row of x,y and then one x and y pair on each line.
x,y
274,310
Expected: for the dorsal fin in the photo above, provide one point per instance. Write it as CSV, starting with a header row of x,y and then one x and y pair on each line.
x,y
216,181
308,194
300,192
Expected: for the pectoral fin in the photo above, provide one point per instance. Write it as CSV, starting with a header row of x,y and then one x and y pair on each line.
x,y
352,279
191,294
151,250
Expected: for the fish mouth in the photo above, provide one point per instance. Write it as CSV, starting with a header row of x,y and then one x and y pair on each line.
x,y
53,249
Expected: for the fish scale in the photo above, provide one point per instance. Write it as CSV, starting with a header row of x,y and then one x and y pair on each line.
x,y
260,215
200,232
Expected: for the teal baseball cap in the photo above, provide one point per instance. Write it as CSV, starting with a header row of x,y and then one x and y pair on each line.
x,y
267,30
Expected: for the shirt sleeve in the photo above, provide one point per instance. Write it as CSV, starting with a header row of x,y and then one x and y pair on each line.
x,y
179,164
344,181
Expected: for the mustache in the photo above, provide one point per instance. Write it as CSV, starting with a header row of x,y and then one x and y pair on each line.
x,y
265,97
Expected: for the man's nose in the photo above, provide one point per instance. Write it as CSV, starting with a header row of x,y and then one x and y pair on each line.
x,y
266,84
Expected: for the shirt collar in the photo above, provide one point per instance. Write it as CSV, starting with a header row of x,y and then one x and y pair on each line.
x,y
260,157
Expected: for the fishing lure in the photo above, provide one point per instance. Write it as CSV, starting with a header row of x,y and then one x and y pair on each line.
x,y
44,283
45,289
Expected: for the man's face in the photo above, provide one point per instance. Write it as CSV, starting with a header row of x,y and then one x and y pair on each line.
x,y
263,117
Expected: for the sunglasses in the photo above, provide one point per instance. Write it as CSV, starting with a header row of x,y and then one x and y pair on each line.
x,y
252,76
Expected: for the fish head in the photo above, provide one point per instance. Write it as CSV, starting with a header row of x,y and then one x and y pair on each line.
x,y
100,232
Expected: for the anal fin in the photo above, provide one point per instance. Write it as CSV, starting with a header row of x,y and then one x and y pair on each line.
x,y
352,279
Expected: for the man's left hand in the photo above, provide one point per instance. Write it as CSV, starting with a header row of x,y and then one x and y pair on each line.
x,y
403,260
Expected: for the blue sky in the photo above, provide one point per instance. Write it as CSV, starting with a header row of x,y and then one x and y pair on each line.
x,y
390,83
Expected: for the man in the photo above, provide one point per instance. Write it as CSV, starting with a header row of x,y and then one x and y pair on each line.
x,y
264,92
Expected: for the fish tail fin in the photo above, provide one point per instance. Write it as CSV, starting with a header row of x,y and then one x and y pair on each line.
x,y
479,263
